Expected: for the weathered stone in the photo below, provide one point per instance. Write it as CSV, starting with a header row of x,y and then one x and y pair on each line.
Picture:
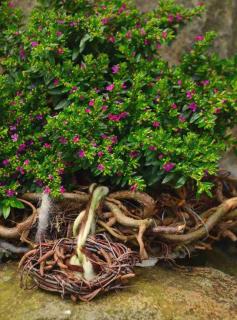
x,y
155,294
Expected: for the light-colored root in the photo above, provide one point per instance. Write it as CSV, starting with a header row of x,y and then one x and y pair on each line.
x,y
211,221
142,198
21,230
43,217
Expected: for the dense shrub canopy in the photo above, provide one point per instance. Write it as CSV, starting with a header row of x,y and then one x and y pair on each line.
x,y
85,89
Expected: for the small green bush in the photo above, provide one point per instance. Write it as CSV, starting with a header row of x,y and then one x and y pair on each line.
x,y
85,89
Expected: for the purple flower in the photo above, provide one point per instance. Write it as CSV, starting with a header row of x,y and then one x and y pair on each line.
x,y
5,162
100,167
110,87
81,154
15,137
168,166
179,17
21,148
22,53
193,106
10,193
114,139
63,140
34,44
115,69
39,117
105,21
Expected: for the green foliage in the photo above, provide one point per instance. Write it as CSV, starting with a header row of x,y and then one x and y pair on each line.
x,y
85,90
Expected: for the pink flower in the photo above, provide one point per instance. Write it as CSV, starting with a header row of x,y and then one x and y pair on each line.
x,y
11,5
133,188
189,94
164,34
56,82
34,44
152,148
174,106
134,154
217,110
179,82
171,18
104,108
74,89
81,154
60,51
156,124
100,154
59,33
114,117
199,38
161,156
47,190
91,103
100,167
105,21
168,166
124,86
15,137
111,39
182,118
110,87
26,162
193,106
128,35
122,8
179,17
62,189
88,110
115,69
47,145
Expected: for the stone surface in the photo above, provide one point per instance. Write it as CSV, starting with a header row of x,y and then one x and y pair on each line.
x,y
155,294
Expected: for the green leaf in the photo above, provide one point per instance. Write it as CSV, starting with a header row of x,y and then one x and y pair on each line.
x,y
17,204
168,178
83,42
62,104
180,182
6,211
